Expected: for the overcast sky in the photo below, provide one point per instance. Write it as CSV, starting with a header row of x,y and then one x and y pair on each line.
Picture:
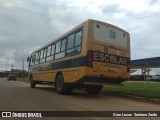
x,y
26,25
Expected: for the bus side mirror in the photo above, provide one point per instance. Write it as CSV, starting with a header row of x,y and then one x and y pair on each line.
x,y
28,59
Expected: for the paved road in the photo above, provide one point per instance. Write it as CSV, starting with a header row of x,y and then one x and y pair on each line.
x,y
18,96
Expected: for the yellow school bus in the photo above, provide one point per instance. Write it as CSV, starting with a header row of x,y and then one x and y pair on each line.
x,y
90,55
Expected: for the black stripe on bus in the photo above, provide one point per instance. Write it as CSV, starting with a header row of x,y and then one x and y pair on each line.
x,y
76,62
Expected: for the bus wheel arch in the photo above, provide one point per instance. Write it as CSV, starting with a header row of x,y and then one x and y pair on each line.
x,y
61,86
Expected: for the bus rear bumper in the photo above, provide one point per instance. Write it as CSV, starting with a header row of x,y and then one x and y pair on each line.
x,y
98,81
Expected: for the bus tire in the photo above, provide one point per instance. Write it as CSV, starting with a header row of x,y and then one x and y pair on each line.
x,y
94,89
61,87
32,82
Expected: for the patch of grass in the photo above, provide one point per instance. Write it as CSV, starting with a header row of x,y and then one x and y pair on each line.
x,y
25,79
142,89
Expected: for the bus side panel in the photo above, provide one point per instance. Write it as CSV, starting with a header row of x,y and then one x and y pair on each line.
x,y
70,76
83,71
44,76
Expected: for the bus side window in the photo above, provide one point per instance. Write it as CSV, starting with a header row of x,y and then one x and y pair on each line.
x,y
43,55
63,46
37,58
39,54
78,38
75,47
78,49
58,46
70,41
48,51
33,58
49,56
53,51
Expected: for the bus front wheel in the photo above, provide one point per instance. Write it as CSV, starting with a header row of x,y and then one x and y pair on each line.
x,y
61,87
94,89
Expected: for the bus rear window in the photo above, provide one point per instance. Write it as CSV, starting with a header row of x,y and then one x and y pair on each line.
x,y
110,35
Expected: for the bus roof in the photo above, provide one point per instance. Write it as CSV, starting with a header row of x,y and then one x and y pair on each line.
x,y
63,35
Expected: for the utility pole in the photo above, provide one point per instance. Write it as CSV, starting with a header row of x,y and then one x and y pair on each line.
x,y
148,71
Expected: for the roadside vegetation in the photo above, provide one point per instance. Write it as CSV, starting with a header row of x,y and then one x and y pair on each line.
x,y
23,79
141,89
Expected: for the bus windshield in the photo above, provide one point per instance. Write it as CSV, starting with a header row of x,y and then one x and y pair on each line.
x,y
110,35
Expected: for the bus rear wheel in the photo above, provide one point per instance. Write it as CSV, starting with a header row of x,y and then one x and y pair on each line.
x,y
94,89
61,87
32,82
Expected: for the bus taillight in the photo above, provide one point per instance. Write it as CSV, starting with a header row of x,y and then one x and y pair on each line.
x,y
89,61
